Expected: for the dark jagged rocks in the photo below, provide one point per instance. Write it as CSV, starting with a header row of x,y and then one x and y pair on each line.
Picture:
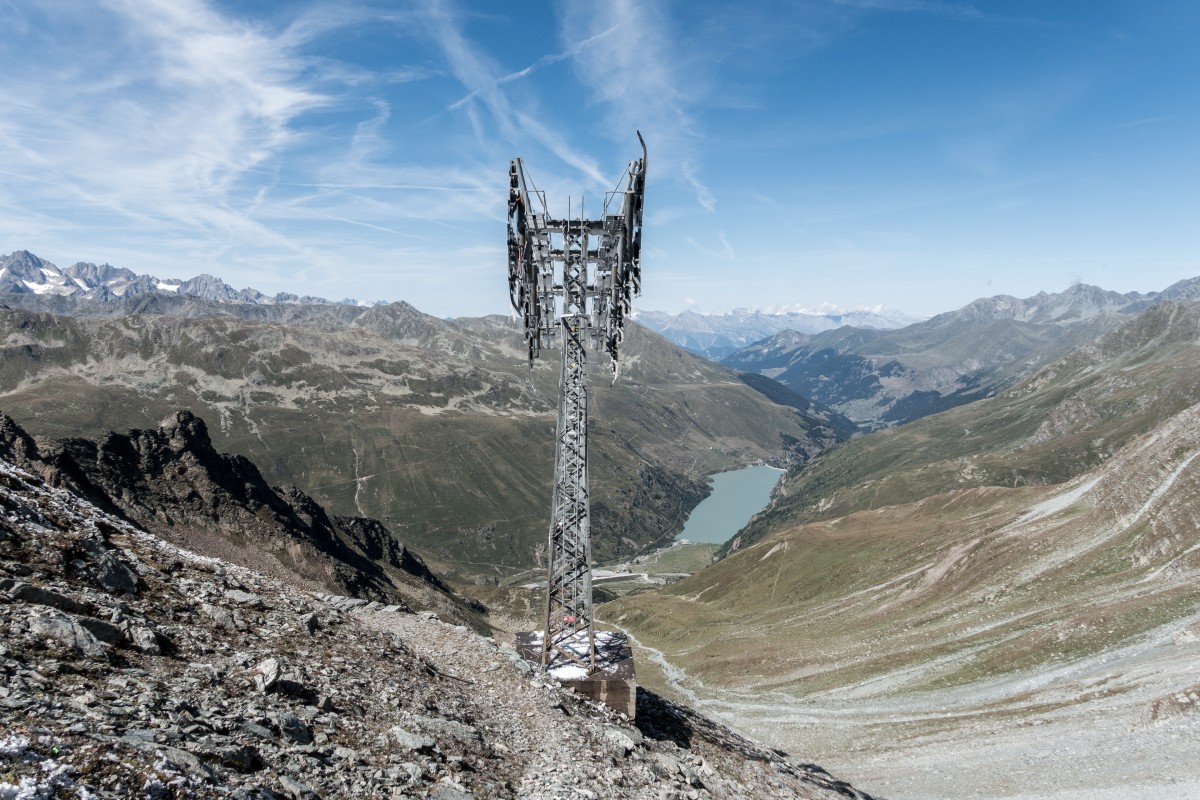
x,y
172,481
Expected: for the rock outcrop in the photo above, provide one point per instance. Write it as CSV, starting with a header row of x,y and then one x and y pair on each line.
x,y
171,480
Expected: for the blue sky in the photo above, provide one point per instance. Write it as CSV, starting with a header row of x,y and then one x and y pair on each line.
x,y
911,154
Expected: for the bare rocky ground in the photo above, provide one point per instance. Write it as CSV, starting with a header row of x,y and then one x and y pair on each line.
x,y
132,668
1123,725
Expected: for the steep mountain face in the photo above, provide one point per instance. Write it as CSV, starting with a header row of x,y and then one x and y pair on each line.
x,y
438,428
1011,581
881,378
134,668
24,273
171,480
716,336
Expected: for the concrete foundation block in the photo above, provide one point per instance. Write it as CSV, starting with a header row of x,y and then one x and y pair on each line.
x,y
614,683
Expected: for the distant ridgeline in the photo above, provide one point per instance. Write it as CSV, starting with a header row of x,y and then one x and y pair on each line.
x,y
880,378
23,273
716,336
432,426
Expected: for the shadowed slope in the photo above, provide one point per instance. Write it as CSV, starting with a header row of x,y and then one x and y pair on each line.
x,y
172,481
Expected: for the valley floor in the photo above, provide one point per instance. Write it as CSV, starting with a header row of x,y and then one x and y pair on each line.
x,y
1121,725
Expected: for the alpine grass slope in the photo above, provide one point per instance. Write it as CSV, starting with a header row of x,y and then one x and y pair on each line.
x,y
1009,590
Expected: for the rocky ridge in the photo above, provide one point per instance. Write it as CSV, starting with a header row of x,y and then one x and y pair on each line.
x,y
171,479
135,668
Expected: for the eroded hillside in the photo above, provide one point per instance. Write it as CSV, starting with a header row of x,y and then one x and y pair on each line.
x,y
438,428
1067,418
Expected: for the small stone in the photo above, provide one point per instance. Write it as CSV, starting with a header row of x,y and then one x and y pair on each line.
x,y
143,638
254,729
186,762
104,631
221,616
245,598
296,789
411,741
267,674
293,728
66,629
619,741
242,758
450,728
108,571
20,590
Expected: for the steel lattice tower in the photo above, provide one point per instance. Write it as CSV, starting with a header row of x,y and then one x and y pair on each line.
x,y
574,279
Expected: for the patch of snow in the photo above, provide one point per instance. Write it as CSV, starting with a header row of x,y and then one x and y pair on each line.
x,y
570,672
167,287
13,745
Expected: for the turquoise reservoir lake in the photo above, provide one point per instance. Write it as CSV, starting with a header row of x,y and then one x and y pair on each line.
x,y
736,497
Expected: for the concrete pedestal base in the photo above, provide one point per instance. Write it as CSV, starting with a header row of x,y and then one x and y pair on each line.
x,y
613,683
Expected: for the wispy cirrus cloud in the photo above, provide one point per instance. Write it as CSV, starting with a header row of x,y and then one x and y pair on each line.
x,y
960,10
703,196
172,137
655,75
721,251
544,61
154,119
478,73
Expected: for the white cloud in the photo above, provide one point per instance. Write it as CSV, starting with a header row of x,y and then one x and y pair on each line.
x,y
154,119
726,247
483,78
703,196
546,60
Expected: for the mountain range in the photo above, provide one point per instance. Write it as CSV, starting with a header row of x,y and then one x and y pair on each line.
x,y
716,336
888,377
24,273
439,428
987,589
